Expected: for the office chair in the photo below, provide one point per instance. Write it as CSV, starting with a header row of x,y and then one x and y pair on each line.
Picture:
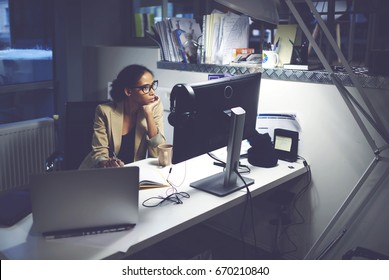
x,y
78,131
79,118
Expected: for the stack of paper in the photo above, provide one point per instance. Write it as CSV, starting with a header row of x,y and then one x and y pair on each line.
x,y
178,39
222,32
181,39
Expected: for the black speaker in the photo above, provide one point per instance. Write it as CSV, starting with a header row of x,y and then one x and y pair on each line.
x,y
185,113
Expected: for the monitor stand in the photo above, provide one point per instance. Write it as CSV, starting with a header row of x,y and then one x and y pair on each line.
x,y
226,182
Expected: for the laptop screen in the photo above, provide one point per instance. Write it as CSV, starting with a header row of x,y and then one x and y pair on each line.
x,y
85,201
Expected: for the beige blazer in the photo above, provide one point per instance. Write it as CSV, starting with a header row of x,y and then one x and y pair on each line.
x,y
107,135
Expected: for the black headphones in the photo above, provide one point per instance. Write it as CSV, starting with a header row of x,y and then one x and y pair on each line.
x,y
187,111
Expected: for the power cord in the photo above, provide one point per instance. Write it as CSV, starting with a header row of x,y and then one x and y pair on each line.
x,y
239,171
173,196
173,187
247,204
294,203
243,168
302,191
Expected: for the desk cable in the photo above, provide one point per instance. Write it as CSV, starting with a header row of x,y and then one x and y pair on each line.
x,y
249,203
298,195
302,191
173,185
173,196
239,171
218,162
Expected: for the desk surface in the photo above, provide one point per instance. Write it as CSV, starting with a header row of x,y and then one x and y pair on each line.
x,y
155,224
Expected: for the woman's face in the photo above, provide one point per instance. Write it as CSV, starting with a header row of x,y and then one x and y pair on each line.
x,y
144,84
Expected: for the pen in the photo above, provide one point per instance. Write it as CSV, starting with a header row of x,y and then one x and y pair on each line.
x,y
115,158
276,45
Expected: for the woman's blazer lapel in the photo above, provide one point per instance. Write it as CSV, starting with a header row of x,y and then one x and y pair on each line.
x,y
116,125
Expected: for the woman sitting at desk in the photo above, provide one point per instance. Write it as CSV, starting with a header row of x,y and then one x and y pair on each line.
x,y
131,126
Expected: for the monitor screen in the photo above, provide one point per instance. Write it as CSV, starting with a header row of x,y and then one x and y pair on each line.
x,y
201,113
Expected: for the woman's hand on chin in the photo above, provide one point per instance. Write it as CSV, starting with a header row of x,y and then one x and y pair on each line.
x,y
148,108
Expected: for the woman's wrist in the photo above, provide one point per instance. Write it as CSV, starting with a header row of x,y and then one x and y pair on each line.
x,y
112,162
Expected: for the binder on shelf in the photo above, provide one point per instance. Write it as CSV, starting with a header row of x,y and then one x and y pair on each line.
x,y
143,22
149,20
285,36
138,19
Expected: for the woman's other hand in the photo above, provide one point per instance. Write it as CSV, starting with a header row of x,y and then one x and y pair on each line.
x,y
112,162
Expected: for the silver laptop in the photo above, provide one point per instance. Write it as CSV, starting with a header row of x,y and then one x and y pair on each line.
x,y
84,202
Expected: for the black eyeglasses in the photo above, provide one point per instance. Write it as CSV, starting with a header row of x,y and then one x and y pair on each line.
x,y
147,88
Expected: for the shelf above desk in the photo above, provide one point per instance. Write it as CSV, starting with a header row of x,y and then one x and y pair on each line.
x,y
209,68
316,76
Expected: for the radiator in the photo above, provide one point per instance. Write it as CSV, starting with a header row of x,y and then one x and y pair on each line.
x,y
24,148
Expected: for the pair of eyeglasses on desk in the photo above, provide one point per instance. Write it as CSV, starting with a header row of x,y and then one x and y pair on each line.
x,y
174,198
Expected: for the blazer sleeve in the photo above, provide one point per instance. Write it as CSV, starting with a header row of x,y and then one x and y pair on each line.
x,y
100,139
160,137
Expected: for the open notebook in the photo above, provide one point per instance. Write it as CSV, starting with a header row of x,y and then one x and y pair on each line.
x,y
151,177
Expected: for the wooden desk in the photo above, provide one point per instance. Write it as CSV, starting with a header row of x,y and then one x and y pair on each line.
x,y
155,224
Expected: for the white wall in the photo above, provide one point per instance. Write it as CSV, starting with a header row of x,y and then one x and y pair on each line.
x,y
331,142
101,64
330,139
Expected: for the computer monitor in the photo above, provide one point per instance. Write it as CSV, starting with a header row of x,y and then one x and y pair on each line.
x,y
210,115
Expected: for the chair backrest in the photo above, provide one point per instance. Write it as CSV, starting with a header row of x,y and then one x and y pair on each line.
x,y
78,131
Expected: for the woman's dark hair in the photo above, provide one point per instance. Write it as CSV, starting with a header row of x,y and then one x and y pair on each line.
x,y
127,78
